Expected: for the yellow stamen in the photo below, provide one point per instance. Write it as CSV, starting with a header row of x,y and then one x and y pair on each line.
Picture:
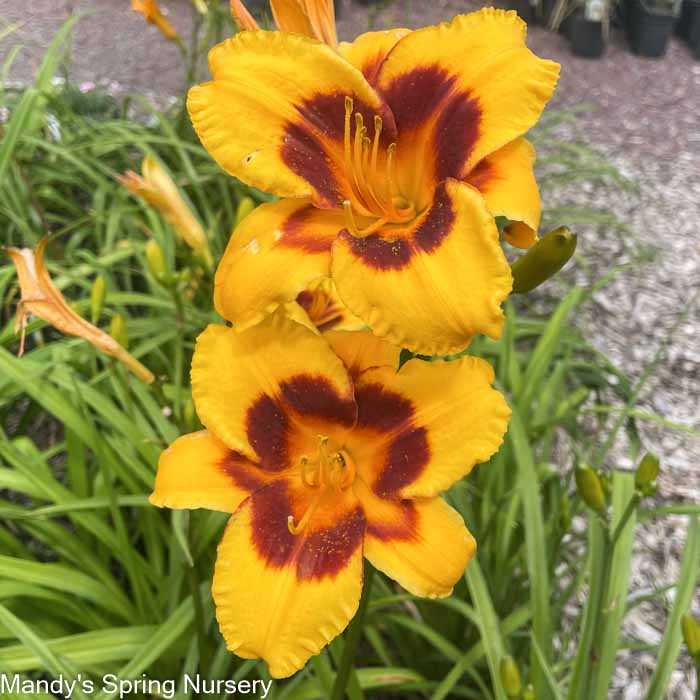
x,y
308,514
327,473
371,195
390,169
346,137
375,146
352,226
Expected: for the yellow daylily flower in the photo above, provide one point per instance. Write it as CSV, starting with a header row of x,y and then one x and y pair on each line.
x,y
152,14
324,308
41,297
157,188
313,18
392,155
323,453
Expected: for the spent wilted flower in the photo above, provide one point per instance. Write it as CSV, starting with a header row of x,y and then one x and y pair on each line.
x,y
313,18
157,188
152,14
41,297
394,154
324,453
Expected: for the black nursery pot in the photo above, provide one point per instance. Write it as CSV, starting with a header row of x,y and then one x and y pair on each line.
x,y
648,31
693,37
690,9
586,37
546,10
688,25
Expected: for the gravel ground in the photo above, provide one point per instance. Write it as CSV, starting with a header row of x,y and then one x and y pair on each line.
x,y
646,124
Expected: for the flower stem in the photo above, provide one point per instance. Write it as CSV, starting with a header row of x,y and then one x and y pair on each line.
x,y
631,507
352,638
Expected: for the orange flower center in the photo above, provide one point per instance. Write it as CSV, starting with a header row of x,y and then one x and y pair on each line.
x,y
370,173
329,473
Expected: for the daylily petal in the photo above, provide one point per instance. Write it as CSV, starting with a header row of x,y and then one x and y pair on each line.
x,y
463,89
324,308
276,252
506,179
274,115
360,350
253,389
425,427
243,19
313,18
368,51
289,16
434,287
283,597
200,471
423,544
321,14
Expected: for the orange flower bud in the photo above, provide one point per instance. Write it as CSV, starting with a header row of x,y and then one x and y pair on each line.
x,y
152,14
157,188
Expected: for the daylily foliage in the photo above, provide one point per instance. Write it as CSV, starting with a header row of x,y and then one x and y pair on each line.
x,y
323,452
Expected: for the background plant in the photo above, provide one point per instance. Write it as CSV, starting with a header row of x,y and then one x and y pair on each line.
x,y
94,580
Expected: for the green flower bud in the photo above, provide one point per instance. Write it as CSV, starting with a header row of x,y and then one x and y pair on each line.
x,y
543,260
155,260
245,206
647,472
590,488
510,677
691,635
189,415
529,693
117,329
97,298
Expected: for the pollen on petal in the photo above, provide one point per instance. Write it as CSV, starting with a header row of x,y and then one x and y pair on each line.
x,y
326,551
407,456
315,396
378,253
381,409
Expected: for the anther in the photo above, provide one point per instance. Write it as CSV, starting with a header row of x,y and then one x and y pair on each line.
x,y
375,145
350,223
